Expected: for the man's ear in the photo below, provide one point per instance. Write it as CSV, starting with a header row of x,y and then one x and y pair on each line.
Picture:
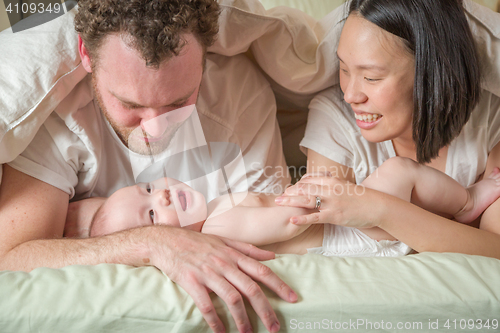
x,y
84,55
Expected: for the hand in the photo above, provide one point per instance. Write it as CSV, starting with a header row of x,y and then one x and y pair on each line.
x,y
79,217
199,263
342,202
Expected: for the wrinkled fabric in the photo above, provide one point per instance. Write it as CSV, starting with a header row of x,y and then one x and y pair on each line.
x,y
41,66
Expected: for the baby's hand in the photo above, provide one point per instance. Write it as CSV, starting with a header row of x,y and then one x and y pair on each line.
x,y
479,197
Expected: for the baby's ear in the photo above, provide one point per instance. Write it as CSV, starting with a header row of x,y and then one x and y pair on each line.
x,y
99,217
81,214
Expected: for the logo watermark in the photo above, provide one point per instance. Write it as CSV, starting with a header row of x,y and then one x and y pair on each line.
x,y
25,15
364,325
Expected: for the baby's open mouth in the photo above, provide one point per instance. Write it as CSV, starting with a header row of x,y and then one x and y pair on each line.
x,y
182,200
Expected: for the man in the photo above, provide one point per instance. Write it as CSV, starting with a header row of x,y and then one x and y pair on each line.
x,y
145,59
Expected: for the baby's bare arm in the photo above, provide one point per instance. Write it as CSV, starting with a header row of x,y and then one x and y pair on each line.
x,y
260,224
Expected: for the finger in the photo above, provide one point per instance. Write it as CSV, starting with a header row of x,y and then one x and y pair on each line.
x,y
305,188
203,302
256,297
312,218
233,299
262,273
249,250
301,201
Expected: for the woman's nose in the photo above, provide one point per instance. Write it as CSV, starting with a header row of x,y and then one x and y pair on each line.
x,y
353,94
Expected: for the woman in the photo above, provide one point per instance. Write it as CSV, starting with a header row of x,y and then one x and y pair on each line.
x,y
410,78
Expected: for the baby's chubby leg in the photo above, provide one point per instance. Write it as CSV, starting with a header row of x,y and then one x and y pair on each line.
x,y
433,190
396,177
424,186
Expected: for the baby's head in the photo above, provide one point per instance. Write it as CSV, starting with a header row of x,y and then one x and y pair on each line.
x,y
165,201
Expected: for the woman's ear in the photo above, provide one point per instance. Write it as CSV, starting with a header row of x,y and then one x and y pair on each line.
x,y
84,55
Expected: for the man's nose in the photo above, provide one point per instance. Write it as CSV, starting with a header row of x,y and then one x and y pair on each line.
x,y
154,123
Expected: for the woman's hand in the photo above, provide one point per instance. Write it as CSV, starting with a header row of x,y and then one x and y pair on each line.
x,y
342,202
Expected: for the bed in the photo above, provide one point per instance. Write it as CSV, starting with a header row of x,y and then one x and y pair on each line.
x,y
413,293
421,292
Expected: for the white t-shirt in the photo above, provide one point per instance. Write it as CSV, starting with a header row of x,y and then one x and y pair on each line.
x,y
77,151
332,132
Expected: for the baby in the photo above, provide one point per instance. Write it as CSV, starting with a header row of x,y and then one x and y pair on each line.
x,y
166,201
259,221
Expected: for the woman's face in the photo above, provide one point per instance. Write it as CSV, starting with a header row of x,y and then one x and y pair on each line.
x,y
165,201
376,76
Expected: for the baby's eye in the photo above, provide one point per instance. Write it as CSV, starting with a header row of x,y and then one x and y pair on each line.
x,y
152,215
149,189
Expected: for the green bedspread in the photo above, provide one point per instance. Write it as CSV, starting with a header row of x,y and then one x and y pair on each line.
x,y
416,292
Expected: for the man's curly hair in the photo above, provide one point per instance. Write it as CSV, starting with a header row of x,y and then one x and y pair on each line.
x,y
155,26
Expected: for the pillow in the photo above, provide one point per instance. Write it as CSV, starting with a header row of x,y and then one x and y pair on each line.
x,y
41,65
316,8
491,4
335,294
39,68
319,8
485,26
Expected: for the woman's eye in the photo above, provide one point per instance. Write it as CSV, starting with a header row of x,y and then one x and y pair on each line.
x,y
370,80
152,215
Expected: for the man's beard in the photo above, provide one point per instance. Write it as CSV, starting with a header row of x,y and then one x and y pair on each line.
x,y
134,138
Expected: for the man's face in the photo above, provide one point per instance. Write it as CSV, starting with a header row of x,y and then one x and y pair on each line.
x,y
131,94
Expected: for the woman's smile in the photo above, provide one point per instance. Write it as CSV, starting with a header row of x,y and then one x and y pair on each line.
x,y
367,120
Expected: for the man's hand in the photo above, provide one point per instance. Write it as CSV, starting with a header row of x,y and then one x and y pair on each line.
x,y
32,216
199,263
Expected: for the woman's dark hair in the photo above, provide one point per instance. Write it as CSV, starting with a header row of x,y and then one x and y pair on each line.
x,y
447,72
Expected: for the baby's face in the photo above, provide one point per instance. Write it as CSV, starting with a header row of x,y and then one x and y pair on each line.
x,y
165,201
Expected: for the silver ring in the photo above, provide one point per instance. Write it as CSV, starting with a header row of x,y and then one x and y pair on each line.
x,y
318,203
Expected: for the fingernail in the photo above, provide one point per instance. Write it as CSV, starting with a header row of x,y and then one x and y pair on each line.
x,y
249,330
293,296
275,327
294,220
278,200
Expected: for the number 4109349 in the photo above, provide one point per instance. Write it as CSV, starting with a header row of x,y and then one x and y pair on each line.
x,y
479,324
32,8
